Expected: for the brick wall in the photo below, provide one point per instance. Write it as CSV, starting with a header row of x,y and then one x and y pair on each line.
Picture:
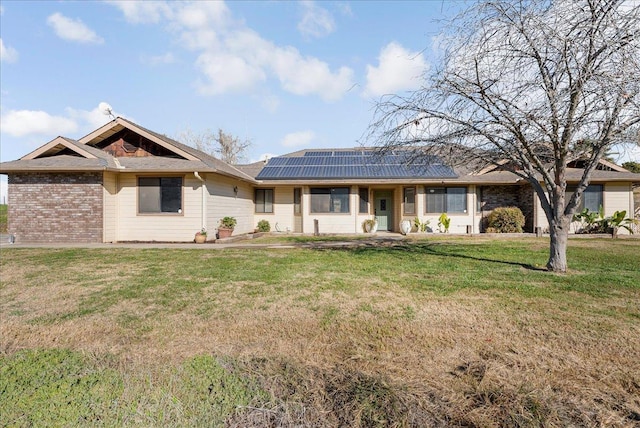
x,y
527,202
55,207
508,196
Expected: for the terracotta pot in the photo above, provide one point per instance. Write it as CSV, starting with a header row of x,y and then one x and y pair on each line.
x,y
223,232
200,239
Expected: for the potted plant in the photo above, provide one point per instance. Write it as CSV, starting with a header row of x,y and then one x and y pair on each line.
x,y
370,225
201,236
225,229
420,225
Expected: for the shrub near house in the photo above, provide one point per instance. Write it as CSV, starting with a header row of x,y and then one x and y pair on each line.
x,y
505,220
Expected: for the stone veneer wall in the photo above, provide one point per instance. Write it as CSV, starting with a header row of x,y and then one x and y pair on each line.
x,y
55,207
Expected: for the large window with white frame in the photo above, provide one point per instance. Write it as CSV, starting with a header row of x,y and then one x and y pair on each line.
x,y
160,195
451,200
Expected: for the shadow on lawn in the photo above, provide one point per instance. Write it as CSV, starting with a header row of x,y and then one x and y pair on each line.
x,y
434,249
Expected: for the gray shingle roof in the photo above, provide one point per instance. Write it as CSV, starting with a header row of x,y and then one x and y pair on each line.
x,y
203,163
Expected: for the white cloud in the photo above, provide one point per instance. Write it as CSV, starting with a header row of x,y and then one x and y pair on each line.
x,y
398,70
143,12
20,123
305,76
262,157
234,58
73,30
7,53
227,73
90,119
345,9
270,103
203,15
298,139
316,21
167,58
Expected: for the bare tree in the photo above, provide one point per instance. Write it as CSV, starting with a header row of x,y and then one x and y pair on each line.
x,y
225,146
535,83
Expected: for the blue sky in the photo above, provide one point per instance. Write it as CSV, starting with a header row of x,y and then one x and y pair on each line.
x,y
285,75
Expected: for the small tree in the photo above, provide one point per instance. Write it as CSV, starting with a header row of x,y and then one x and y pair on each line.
x,y
632,166
529,86
225,146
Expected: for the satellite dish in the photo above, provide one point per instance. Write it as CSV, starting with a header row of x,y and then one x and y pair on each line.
x,y
106,109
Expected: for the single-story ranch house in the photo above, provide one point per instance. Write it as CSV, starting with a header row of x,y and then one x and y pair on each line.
x,y
123,182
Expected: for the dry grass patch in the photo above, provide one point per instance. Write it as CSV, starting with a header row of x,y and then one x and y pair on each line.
x,y
455,334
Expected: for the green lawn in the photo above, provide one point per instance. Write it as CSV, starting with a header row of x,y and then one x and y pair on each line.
x,y
449,331
3,218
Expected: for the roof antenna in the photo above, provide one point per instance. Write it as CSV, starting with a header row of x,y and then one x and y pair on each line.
x,y
106,110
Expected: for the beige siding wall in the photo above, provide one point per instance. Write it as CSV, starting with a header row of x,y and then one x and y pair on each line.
x,y
110,207
282,215
158,227
459,221
331,223
222,201
616,197
352,222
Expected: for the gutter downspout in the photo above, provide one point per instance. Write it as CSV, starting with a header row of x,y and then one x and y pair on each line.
x,y
204,200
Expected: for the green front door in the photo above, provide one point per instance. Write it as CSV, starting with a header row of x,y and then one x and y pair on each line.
x,y
384,209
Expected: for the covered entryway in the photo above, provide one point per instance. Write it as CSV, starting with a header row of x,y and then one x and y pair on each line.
x,y
383,209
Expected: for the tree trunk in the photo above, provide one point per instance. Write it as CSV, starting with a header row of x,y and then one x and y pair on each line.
x,y
559,232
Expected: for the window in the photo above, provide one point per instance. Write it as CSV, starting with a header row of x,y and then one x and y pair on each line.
x,y
329,200
446,199
264,200
591,197
409,200
364,200
297,200
159,195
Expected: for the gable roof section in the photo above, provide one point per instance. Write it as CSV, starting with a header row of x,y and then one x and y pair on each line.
x,y
358,164
119,124
62,154
201,161
56,146
65,154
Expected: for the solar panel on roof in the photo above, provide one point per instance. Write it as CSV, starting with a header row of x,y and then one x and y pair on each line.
x,y
347,153
278,161
352,164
